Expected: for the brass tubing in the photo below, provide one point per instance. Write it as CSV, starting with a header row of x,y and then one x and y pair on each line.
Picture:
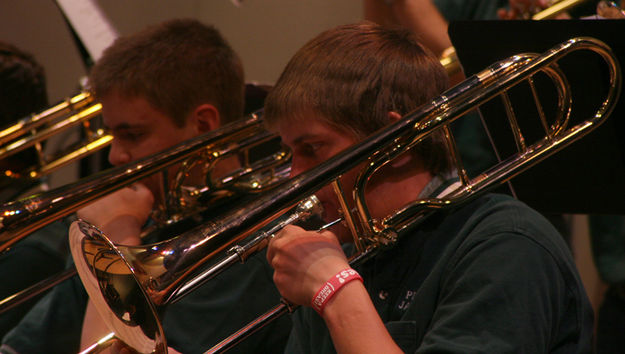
x,y
34,290
556,9
34,121
71,121
20,218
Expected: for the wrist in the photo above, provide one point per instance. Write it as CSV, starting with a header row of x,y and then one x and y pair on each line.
x,y
328,290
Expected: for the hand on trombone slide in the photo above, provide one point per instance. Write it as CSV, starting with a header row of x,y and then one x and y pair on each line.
x,y
121,214
306,264
303,261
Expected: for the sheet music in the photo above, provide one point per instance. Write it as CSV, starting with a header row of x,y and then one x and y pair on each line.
x,y
91,25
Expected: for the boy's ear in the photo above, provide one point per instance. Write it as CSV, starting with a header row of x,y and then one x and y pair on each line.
x,y
393,117
206,117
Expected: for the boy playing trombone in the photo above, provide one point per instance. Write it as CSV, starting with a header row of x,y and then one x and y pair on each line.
x,y
488,276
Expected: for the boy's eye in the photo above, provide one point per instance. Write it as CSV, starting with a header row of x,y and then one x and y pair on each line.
x,y
310,149
130,135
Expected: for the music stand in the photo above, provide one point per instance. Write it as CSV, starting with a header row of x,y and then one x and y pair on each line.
x,y
588,176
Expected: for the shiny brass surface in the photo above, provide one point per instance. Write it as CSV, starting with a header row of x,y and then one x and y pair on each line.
x,y
129,284
33,131
555,8
184,200
449,60
73,104
20,218
159,271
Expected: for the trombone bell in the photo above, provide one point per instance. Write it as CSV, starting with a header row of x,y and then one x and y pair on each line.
x,y
134,282
123,293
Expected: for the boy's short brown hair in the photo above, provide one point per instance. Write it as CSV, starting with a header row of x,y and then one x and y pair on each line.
x,y
176,66
353,76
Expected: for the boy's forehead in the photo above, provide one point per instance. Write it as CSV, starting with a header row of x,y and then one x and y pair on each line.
x,y
121,112
301,128
313,130
129,121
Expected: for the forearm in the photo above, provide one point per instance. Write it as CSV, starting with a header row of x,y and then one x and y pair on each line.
x,y
311,269
423,19
93,327
354,323
378,11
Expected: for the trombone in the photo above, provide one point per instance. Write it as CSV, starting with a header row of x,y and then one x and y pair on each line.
x,y
115,276
20,218
33,130
555,8
253,175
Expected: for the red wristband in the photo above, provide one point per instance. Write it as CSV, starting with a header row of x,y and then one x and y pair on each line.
x,y
332,286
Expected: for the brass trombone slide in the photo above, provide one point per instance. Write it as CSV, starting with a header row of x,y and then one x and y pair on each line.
x,y
20,218
254,175
72,104
115,275
555,8
33,130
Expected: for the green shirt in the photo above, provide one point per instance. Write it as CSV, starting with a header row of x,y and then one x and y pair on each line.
x,y
38,256
492,276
